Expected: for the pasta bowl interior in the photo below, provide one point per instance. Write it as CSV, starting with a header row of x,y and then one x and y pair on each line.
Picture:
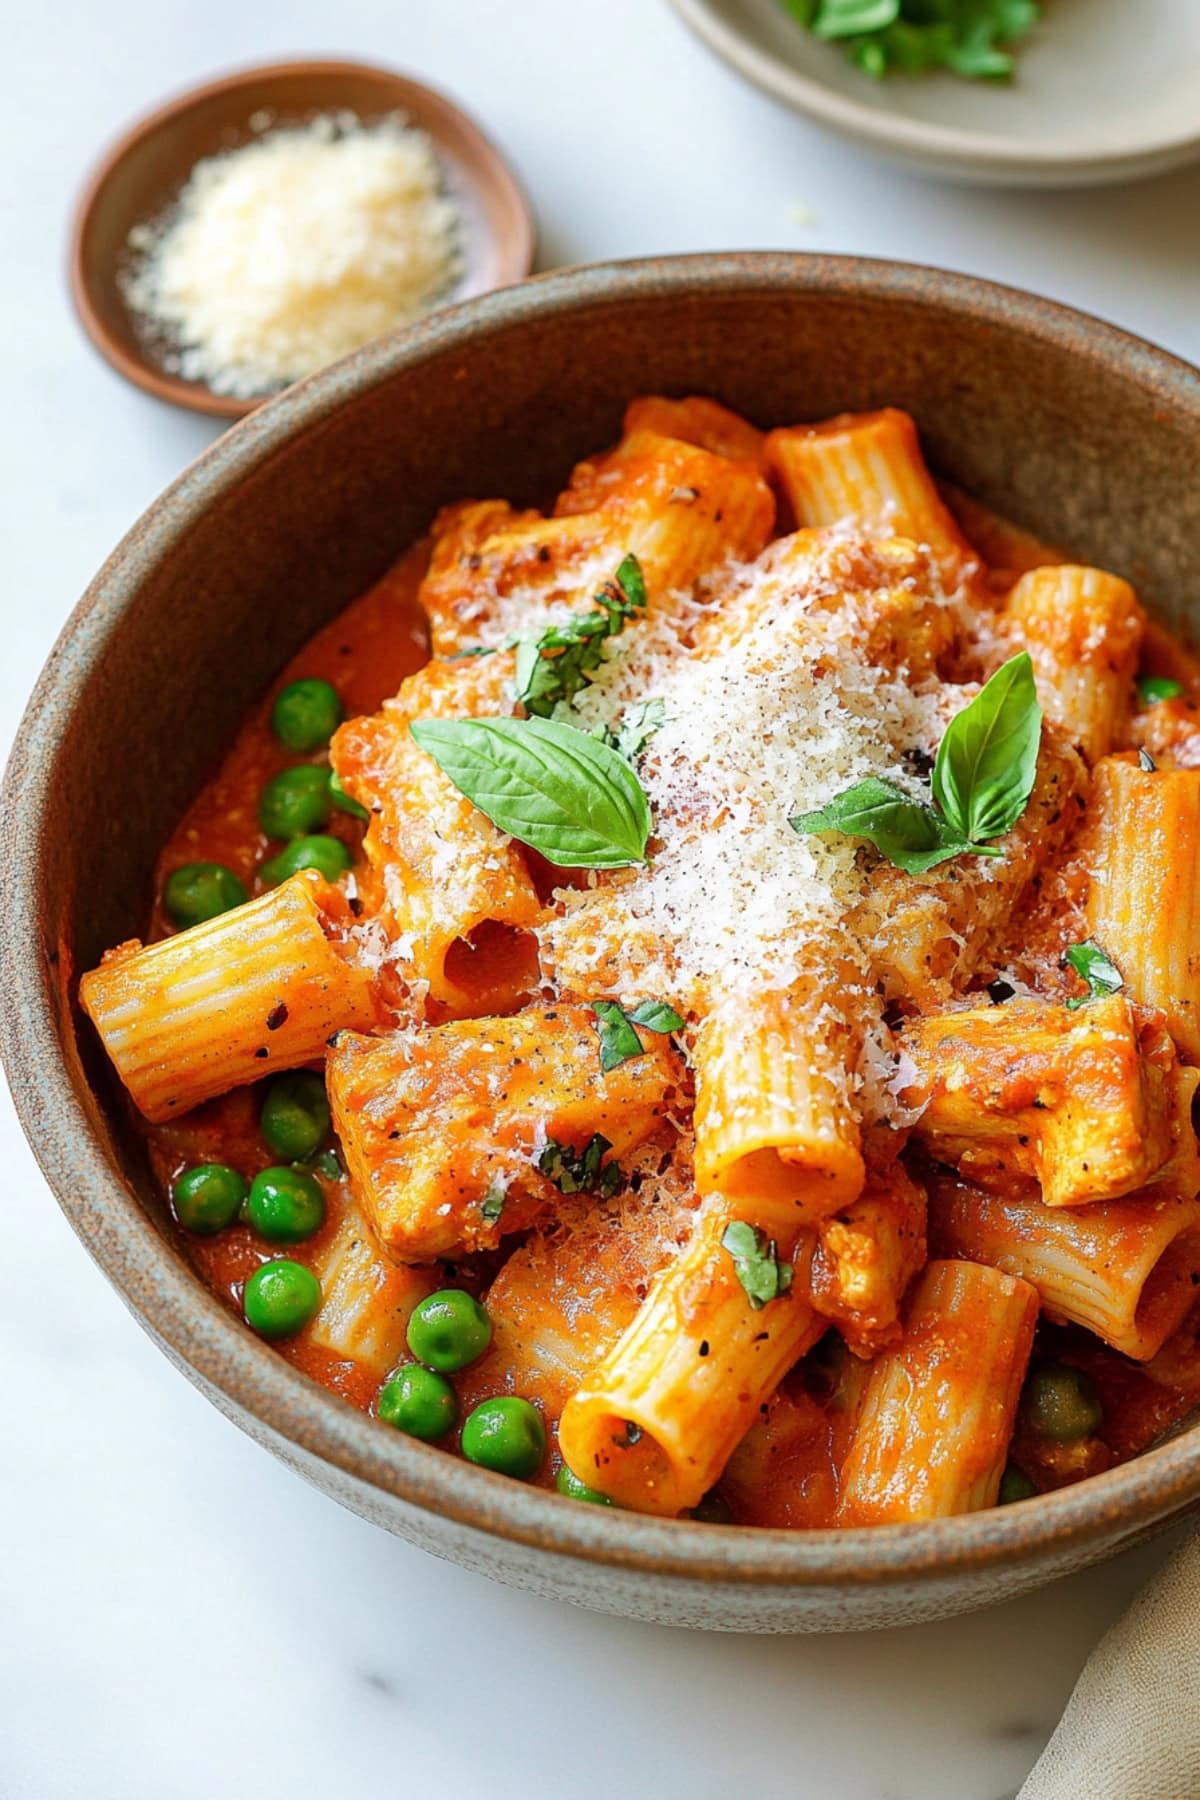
x,y
645,1037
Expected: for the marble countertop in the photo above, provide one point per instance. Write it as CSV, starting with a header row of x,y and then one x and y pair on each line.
x,y
182,1617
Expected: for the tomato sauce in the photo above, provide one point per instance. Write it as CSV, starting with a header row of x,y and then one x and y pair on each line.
x,y
365,653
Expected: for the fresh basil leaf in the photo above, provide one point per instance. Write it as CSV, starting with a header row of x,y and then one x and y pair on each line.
x,y
656,1015
1153,688
619,1042
581,1171
986,763
1096,967
493,1201
555,664
910,834
561,792
763,1277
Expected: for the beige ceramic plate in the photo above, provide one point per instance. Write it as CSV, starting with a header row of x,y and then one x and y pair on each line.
x,y
1106,90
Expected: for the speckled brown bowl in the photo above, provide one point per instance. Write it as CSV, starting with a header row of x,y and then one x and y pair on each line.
x,y
1085,435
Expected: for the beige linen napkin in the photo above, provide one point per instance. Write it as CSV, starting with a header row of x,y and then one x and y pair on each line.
x,y
1131,1730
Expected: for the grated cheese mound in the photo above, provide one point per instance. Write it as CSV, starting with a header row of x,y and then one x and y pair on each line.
x,y
787,705
294,249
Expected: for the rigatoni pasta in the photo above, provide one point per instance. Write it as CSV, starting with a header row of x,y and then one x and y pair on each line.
x,y
1143,900
657,1418
253,990
718,1037
938,1411
1124,1269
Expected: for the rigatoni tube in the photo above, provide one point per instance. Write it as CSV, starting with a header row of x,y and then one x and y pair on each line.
x,y
1090,1103
937,1416
366,1300
1125,1269
1083,629
1143,904
776,1131
867,469
253,991
656,1420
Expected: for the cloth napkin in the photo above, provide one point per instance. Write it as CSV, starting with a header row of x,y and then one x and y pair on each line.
x,y
1131,1730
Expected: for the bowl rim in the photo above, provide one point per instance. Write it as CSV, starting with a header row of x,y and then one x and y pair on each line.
x,y
58,1110
516,253
919,139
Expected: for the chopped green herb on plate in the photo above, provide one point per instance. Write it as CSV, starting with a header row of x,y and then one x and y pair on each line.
x,y
971,38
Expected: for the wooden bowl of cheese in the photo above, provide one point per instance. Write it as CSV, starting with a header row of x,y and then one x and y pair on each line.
x,y
261,226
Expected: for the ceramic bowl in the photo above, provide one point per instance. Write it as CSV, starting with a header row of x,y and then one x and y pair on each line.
x,y
1102,92
1085,435
141,173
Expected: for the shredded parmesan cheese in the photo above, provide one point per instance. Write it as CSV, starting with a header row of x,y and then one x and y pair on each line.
x,y
785,704
295,249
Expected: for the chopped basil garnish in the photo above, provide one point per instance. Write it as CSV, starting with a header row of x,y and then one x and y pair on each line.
x,y
552,667
619,1042
1152,688
493,1201
983,775
762,1275
1096,967
581,1171
472,650
549,786
656,1015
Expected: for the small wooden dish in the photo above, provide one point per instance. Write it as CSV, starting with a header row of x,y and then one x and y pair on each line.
x,y
144,169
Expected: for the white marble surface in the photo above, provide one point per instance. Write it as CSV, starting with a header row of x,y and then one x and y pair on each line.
x,y
181,1618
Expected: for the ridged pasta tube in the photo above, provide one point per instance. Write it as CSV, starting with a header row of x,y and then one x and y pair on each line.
x,y
656,1420
256,990
1125,1269
938,1413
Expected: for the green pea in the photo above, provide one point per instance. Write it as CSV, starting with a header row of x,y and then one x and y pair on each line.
x,y
199,891
1061,1403
506,1435
1014,1485
280,1298
449,1330
207,1197
295,1115
285,1205
419,1402
295,801
306,714
569,1484
348,804
713,1510
327,855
